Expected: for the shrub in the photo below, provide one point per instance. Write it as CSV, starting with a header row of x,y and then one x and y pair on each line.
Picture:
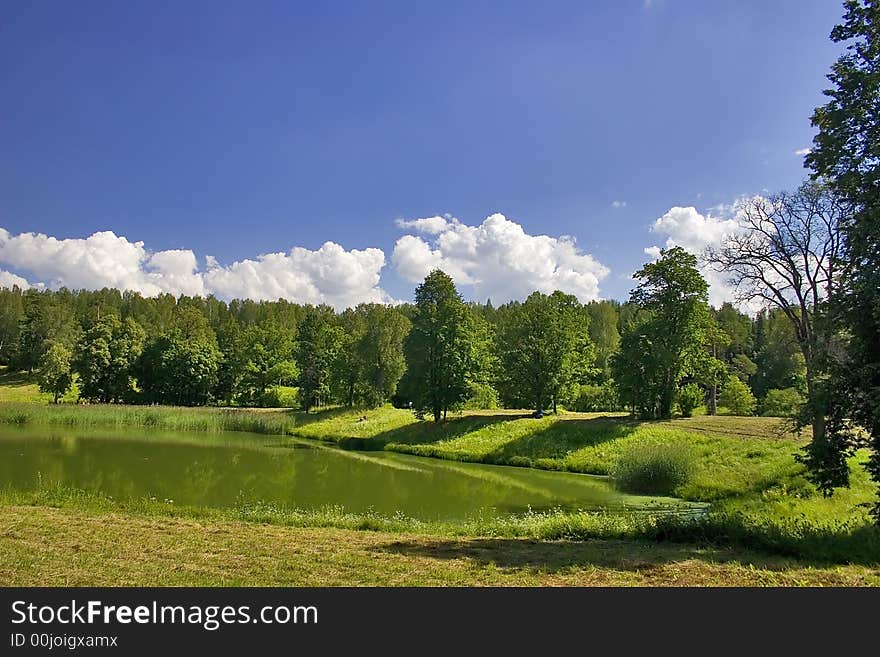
x,y
589,398
482,396
785,402
689,397
280,397
737,397
653,469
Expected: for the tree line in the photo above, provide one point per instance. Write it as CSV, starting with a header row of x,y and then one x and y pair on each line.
x,y
437,354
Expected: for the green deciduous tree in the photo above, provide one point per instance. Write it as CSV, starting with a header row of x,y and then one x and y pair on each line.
x,y
689,397
11,314
46,318
181,366
318,343
106,357
737,327
267,359
370,361
544,347
55,376
442,349
782,403
737,398
668,340
604,333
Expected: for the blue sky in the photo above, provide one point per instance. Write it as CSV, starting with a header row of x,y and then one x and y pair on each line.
x,y
235,129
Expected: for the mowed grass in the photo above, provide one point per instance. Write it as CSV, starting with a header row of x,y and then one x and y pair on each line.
x,y
53,547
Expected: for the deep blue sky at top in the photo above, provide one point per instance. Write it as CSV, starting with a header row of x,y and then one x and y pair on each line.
x,y
239,128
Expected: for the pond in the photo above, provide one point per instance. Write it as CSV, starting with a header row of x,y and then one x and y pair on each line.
x,y
224,470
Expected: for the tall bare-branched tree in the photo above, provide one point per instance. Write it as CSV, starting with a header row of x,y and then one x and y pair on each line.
x,y
787,253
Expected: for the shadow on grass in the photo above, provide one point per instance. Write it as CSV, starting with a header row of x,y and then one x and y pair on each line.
x,y
17,379
844,542
761,551
303,419
428,432
554,557
557,440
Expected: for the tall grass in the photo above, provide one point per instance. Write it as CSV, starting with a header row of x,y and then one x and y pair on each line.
x,y
653,469
150,417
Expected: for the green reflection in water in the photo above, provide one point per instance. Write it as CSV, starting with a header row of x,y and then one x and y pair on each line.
x,y
223,470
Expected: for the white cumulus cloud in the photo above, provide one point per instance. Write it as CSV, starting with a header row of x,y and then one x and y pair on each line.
x,y
329,275
618,204
496,259
8,279
695,232
803,151
430,225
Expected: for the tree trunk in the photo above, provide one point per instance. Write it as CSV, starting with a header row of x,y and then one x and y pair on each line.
x,y
818,428
818,422
713,390
666,401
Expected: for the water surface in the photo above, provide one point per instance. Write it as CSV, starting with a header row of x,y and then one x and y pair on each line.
x,y
228,469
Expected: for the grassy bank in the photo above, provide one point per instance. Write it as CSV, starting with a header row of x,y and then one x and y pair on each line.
x,y
733,456
44,546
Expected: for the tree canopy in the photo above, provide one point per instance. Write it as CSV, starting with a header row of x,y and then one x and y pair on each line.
x,y
667,341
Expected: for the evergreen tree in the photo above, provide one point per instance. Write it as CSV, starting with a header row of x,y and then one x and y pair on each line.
x,y
846,154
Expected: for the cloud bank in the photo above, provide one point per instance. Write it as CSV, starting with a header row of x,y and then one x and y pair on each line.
x,y
330,275
496,259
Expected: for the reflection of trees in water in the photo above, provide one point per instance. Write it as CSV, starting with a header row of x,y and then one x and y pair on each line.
x,y
214,471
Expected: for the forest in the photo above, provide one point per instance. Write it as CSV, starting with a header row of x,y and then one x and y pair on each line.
x,y
547,351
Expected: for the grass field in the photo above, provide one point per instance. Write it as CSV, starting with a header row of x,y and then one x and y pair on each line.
x,y
52,547
768,524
